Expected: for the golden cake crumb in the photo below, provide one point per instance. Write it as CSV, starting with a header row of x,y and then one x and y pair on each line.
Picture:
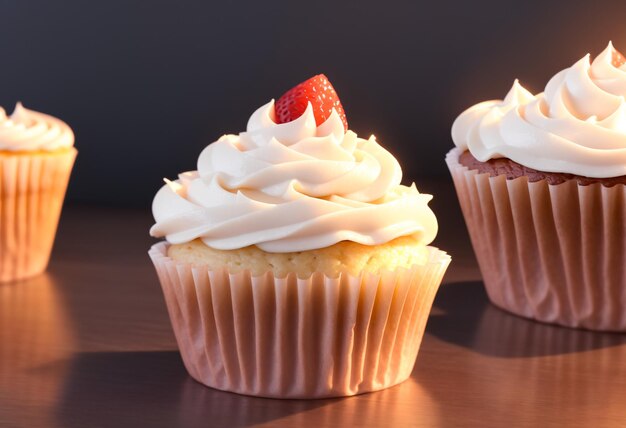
x,y
345,256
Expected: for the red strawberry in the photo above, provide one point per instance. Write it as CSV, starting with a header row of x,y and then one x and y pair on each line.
x,y
319,92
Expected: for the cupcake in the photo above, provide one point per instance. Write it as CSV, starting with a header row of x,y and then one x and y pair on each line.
x,y
541,180
36,158
295,264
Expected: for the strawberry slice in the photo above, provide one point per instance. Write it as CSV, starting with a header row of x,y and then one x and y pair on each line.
x,y
319,92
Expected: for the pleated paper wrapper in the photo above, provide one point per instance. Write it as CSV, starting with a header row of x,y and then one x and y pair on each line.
x,y
554,253
298,338
32,189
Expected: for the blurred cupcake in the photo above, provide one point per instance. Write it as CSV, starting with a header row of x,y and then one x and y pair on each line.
x,y
36,158
296,265
542,184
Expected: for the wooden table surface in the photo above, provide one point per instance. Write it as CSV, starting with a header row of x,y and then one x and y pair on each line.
x,y
88,344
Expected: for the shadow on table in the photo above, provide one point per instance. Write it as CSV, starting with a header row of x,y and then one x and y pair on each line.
x,y
470,320
134,389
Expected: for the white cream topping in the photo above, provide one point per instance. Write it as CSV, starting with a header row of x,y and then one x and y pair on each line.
x,y
577,126
292,187
28,130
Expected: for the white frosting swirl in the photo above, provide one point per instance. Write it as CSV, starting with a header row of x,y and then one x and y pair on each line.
x,y
292,187
577,126
28,130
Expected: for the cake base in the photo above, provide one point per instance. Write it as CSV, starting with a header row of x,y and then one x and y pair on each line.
x,y
553,253
289,337
512,170
32,189
346,256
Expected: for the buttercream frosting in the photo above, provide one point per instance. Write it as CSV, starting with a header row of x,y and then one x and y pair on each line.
x,y
577,125
292,187
28,130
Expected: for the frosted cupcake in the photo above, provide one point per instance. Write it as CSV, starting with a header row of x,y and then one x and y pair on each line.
x,y
36,159
296,264
542,184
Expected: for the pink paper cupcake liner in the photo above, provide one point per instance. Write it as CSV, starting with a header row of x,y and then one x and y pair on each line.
x,y
32,189
555,253
298,338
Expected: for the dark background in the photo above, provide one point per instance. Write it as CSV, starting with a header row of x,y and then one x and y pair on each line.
x,y
147,84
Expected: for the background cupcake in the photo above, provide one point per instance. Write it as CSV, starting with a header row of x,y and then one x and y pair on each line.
x,y
297,265
542,184
36,158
